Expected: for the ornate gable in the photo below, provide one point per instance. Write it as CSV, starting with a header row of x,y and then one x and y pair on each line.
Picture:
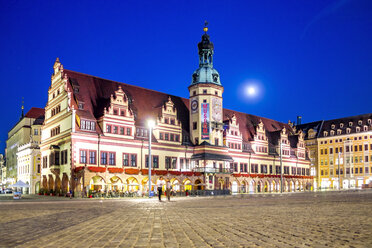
x,y
168,128
119,104
169,113
260,132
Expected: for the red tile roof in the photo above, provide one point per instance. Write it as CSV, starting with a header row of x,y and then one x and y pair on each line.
x,y
145,103
35,113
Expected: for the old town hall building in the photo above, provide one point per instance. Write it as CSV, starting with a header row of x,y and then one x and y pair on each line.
x,y
95,137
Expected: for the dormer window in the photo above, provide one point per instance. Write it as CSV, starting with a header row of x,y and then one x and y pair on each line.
x,y
332,132
76,90
348,130
341,125
81,106
325,133
339,132
369,121
357,129
365,128
360,122
333,126
350,124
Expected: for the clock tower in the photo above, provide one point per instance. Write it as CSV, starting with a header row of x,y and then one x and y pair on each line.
x,y
206,120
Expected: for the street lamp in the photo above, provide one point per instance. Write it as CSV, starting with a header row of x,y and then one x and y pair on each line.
x,y
150,124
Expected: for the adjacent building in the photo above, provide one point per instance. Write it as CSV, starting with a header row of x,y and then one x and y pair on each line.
x,y
340,151
95,137
26,130
2,172
28,159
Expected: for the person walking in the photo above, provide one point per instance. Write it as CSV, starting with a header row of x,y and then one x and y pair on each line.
x,y
168,188
160,185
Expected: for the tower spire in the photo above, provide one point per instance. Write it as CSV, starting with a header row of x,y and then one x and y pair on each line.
x,y
205,29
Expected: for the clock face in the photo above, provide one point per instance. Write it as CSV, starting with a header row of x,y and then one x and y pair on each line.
x,y
194,106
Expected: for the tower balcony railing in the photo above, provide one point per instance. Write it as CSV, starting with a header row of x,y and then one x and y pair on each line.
x,y
213,170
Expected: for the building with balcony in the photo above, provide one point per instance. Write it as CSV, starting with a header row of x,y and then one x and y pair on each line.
x,y
95,137
340,151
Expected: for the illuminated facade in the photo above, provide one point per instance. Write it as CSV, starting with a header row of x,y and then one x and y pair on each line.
x,y
25,131
340,151
95,137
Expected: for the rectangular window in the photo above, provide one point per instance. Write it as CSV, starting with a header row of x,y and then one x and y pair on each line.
x,y
104,158
36,131
172,121
331,150
365,158
174,163
177,137
133,160
167,163
166,136
129,131
194,125
122,112
108,128
161,136
216,141
172,137
83,156
112,158
125,159
122,130
45,161
115,129
155,161
360,148
92,157
366,170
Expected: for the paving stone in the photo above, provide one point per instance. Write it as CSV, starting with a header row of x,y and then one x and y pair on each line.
x,y
323,219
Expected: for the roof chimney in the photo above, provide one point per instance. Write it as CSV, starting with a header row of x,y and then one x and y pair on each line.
x,y
299,118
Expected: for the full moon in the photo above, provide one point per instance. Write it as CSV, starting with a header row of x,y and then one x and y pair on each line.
x,y
251,90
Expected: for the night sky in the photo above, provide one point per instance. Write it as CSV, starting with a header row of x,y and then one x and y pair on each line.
x,y
309,58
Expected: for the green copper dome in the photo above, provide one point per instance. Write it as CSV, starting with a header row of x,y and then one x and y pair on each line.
x,y
205,73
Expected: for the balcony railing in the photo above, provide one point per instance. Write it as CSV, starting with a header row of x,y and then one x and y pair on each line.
x,y
213,170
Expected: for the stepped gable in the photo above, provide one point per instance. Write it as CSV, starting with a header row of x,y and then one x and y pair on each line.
x,y
248,124
95,92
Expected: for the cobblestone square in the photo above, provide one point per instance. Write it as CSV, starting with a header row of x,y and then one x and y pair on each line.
x,y
323,219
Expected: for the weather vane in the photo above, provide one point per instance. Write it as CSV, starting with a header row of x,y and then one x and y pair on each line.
x,y
205,26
